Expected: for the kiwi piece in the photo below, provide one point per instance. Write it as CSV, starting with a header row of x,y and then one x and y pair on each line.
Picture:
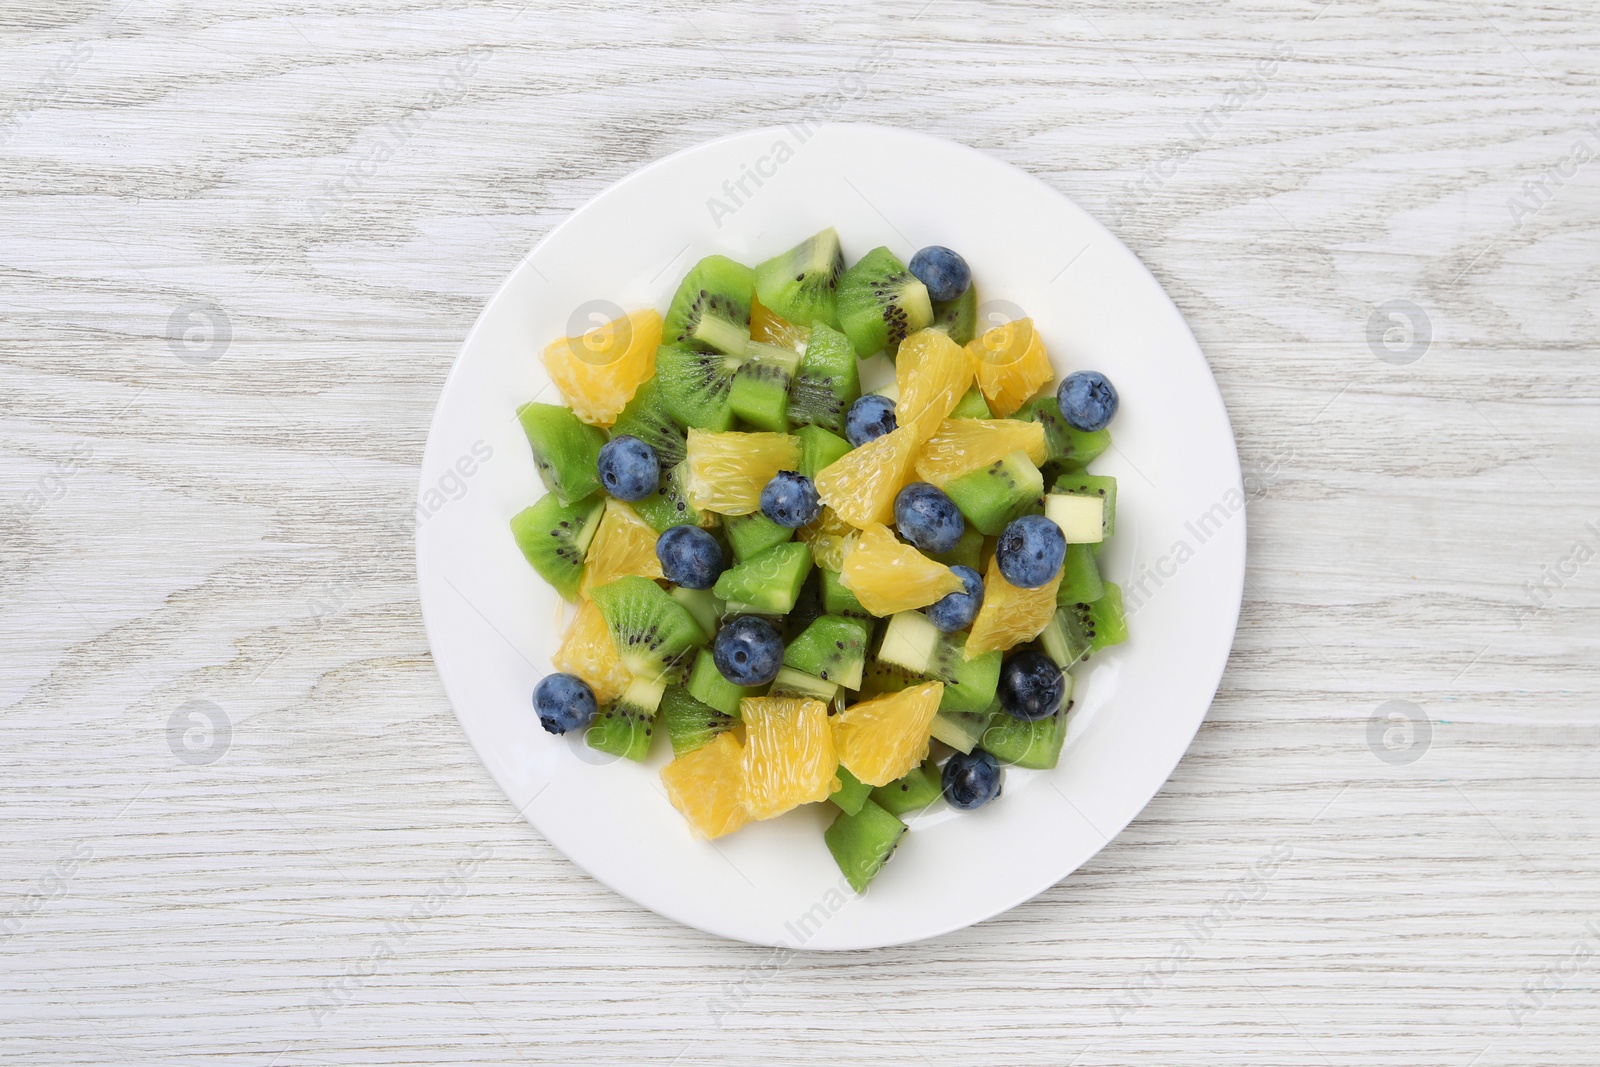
x,y
711,310
689,723
960,730
909,642
1077,483
564,450
1080,577
881,303
832,648
767,583
827,382
1067,446
992,496
554,537
959,319
707,685
669,506
807,608
760,391
969,684
694,386
647,418
752,534
852,792
654,635
626,726
799,284
839,600
703,605
1035,744
862,843
1107,624
880,676
797,683
967,553
972,405
1068,636
921,786
818,447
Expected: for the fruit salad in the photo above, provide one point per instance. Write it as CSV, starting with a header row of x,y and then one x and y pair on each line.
x,y
869,601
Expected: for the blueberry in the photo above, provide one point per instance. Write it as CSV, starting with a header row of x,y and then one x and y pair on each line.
x,y
1031,686
790,499
1030,551
690,557
944,272
870,417
971,780
628,468
955,611
927,518
748,651
564,702
1087,400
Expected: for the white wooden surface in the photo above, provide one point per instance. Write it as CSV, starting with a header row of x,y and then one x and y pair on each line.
x,y
342,883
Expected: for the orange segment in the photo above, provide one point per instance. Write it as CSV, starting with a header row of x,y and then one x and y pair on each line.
x,y
1010,364
830,539
932,373
963,445
705,785
598,371
727,471
587,652
1010,615
888,576
881,739
624,544
768,327
789,757
861,485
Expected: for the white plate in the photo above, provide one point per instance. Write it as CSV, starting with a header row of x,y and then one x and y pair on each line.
x,y
493,624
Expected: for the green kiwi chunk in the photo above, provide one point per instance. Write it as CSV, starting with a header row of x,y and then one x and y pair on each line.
x,y
818,448
564,450
760,391
881,303
838,600
969,684
626,727
797,683
959,319
694,387
1103,486
967,553
992,496
669,506
880,676
961,731
807,608
972,405
752,534
1107,624
654,634
703,605
827,382
832,648
852,792
554,537
711,310
647,418
799,284
707,685
1067,446
767,583
920,787
862,843
1080,577
1035,744
689,723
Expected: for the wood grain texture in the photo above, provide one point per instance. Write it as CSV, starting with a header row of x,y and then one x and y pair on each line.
x,y
343,185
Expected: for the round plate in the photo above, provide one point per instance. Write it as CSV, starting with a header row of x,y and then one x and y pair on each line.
x,y
1178,553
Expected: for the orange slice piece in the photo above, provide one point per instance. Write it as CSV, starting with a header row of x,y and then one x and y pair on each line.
x,y
933,373
860,486
727,471
887,575
1010,364
963,445
789,757
1010,615
587,652
599,371
705,785
624,544
881,739
830,539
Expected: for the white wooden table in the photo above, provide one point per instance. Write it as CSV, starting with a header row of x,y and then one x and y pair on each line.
x,y
241,242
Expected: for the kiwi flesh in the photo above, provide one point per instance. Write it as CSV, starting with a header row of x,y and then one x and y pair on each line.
x,y
702,604
1035,744
654,635
752,534
564,450
832,648
972,405
839,600
921,786
852,792
807,608
800,284
1067,446
554,536
961,731
1080,577
797,683
827,383
967,553
1077,483
818,447
767,583
760,391
646,417
969,684
909,642
958,318
711,310
881,303
862,843
689,723
1108,625
880,676
1068,636
669,506
694,386
707,685
990,497
627,725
